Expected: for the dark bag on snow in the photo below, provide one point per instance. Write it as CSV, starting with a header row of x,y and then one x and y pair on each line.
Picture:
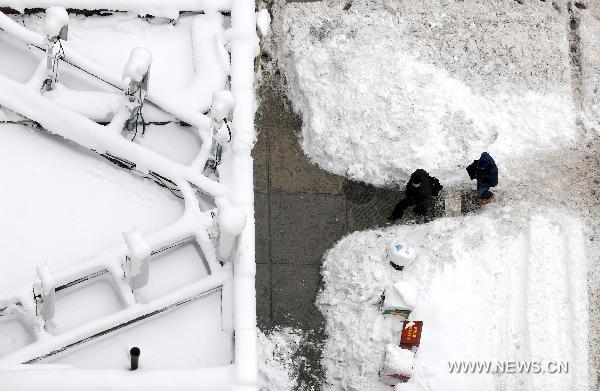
x,y
436,186
472,169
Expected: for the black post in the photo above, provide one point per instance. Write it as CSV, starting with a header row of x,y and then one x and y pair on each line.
x,y
135,357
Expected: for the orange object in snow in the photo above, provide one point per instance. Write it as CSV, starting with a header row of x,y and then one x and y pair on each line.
x,y
411,334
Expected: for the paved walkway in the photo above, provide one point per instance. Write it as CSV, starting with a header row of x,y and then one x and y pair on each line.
x,y
301,211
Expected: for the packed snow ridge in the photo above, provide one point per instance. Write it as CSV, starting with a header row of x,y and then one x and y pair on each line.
x,y
386,87
509,284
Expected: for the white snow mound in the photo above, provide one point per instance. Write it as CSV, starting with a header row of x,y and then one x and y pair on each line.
x,y
385,91
507,285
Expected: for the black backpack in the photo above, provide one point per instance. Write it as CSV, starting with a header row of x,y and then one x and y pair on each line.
x,y
472,169
436,186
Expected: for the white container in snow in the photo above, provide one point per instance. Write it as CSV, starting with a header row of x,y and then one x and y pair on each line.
x,y
397,365
399,299
138,267
400,255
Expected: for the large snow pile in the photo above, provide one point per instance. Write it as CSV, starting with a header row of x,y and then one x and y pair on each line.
x,y
276,369
385,87
506,285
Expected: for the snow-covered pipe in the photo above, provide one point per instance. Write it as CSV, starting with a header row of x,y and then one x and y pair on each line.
x,y
161,100
110,259
46,289
232,220
137,73
138,267
238,175
82,334
75,127
55,27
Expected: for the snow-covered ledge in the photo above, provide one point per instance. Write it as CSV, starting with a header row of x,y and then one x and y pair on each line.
x,y
233,274
164,8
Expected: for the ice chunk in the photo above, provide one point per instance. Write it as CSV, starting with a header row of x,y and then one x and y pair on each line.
x,y
56,19
138,64
263,21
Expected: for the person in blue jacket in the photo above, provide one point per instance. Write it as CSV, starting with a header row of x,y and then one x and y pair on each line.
x,y
486,173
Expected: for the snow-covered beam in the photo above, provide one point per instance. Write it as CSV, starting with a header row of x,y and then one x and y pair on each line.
x,y
72,57
170,8
77,128
104,327
62,378
237,171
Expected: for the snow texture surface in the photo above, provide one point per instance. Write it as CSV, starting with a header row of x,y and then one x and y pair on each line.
x,y
509,284
223,352
385,87
275,355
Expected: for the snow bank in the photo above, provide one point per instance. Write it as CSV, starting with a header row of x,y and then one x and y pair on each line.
x,y
588,32
388,87
509,284
276,366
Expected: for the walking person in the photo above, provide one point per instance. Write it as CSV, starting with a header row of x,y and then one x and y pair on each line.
x,y
486,173
420,190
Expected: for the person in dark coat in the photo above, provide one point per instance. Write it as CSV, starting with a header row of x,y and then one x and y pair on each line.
x,y
420,190
486,173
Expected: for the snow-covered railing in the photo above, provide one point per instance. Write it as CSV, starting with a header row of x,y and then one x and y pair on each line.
x,y
231,272
170,8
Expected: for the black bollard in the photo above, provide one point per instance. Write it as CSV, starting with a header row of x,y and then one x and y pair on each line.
x,y
135,357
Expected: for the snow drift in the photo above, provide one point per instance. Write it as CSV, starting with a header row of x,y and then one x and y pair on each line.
x,y
509,284
387,87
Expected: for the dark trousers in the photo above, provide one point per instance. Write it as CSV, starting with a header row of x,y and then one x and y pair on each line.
x,y
484,191
421,207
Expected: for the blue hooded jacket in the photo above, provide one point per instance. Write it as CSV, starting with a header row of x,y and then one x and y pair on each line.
x,y
487,171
